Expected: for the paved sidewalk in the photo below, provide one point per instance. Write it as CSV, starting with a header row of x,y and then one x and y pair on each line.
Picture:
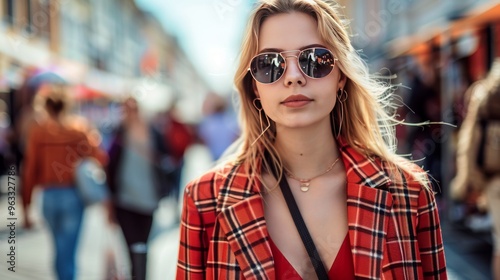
x,y
163,255
34,249
468,254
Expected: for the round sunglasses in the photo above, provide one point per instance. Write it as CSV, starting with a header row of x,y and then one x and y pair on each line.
x,y
269,67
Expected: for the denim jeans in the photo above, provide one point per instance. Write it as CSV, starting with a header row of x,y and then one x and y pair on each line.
x,y
63,210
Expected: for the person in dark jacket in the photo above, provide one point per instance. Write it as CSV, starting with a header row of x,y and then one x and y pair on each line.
x,y
135,180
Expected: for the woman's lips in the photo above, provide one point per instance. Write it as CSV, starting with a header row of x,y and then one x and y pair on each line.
x,y
296,101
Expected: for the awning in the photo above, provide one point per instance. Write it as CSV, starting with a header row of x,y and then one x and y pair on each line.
x,y
422,42
413,44
478,17
82,93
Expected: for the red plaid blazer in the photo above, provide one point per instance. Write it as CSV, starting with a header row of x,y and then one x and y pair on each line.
x,y
394,228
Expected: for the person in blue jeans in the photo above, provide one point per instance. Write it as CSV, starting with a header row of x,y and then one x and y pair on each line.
x,y
63,211
55,145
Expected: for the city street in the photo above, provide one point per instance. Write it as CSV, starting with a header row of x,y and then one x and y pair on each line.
x,y
149,81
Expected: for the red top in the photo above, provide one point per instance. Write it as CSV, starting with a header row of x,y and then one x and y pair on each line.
x,y
342,267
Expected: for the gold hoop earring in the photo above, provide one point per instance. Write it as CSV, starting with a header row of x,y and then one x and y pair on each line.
x,y
341,97
259,108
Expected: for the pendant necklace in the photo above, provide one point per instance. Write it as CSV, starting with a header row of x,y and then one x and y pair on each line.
x,y
305,183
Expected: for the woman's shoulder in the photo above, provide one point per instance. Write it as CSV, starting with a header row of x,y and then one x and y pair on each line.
x,y
409,176
207,186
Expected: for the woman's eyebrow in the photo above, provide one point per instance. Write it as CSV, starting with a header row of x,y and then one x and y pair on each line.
x,y
281,50
270,50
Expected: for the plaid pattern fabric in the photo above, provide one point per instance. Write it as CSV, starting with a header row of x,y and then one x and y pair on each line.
x,y
394,227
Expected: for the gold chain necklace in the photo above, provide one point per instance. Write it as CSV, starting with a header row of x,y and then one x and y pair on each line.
x,y
304,183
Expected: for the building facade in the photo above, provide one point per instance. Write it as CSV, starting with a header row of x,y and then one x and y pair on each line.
x,y
110,46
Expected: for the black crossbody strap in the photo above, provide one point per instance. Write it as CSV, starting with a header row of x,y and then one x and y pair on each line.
x,y
302,229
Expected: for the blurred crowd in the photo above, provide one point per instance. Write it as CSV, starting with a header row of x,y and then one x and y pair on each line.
x,y
452,109
49,127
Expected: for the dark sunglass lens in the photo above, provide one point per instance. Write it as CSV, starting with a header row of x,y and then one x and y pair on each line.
x,y
316,62
268,67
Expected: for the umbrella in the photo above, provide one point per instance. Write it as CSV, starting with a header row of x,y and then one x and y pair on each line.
x,y
45,78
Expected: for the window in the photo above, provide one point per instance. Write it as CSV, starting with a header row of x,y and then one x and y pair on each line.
x,y
40,18
29,21
9,12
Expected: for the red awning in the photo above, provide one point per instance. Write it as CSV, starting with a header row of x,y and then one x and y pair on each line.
x,y
82,92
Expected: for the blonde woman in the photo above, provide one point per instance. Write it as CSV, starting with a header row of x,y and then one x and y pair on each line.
x,y
314,135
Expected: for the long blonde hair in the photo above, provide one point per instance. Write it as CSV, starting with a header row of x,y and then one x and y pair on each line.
x,y
365,125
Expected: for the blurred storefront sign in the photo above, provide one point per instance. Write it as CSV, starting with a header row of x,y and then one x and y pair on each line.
x,y
112,84
28,52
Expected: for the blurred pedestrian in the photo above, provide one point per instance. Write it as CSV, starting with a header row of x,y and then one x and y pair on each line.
x,y
54,147
425,107
219,128
135,180
178,137
478,161
5,151
315,190
24,115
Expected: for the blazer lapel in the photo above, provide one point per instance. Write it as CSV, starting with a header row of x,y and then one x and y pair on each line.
x,y
243,224
368,212
369,205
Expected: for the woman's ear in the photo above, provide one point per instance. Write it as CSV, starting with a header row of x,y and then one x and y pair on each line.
x,y
254,86
342,80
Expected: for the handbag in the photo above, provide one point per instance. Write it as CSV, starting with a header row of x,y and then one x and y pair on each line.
x,y
302,229
91,181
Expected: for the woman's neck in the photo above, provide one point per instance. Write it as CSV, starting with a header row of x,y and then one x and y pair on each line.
x,y
306,152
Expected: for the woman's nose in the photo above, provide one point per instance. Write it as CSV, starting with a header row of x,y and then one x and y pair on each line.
x,y
293,74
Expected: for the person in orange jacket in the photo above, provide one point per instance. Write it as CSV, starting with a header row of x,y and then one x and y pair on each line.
x,y
55,146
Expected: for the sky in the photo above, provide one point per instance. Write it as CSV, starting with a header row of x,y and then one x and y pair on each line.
x,y
209,31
